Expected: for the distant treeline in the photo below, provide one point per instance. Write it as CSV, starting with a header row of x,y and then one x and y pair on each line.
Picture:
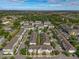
x,y
20,12
56,17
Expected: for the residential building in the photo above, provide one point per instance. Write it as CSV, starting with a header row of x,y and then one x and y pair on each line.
x,y
33,38
67,46
14,43
40,49
65,43
44,47
45,38
2,40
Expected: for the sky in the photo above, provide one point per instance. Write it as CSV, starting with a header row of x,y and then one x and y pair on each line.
x,y
39,4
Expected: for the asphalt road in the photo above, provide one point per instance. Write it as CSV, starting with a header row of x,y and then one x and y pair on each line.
x,y
61,56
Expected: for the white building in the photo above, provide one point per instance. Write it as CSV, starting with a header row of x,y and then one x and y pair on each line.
x,y
2,39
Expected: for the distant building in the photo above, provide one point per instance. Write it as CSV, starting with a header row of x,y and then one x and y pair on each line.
x,y
38,22
66,29
2,40
29,27
47,23
40,26
8,28
6,22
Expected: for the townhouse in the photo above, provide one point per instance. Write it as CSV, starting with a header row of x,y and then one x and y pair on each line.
x,y
44,47
14,43
65,43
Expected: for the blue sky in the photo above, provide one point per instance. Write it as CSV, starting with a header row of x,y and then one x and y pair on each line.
x,y
39,5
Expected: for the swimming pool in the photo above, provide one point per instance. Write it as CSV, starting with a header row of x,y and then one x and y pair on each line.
x,y
39,5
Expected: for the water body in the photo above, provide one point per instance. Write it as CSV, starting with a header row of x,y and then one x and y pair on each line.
x,y
39,5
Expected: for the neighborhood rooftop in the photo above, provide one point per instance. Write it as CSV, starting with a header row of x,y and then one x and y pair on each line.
x,y
12,42
33,37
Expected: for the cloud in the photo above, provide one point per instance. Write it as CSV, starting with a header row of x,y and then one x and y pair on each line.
x,y
56,1
74,3
15,0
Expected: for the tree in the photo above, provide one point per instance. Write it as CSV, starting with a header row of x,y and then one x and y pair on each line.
x,y
6,34
0,23
77,53
53,44
2,31
4,57
45,29
28,57
27,43
28,52
30,32
73,40
66,53
9,37
43,53
33,53
23,51
12,57
52,53
39,40
16,24
56,52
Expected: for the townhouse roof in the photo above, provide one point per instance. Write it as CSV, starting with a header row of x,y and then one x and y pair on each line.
x,y
47,22
34,47
65,43
46,47
38,22
33,37
13,40
2,39
66,28
45,37
42,47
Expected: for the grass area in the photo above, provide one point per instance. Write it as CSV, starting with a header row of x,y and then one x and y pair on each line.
x,y
38,40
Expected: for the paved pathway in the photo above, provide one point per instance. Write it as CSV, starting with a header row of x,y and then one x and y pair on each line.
x,y
61,56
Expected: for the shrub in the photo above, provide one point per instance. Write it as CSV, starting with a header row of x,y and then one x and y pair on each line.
x,y
4,57
23,51
43,53
12,57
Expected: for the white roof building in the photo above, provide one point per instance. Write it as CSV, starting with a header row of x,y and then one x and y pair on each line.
x,y
2,39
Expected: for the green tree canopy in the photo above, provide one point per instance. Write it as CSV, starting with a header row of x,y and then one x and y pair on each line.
x,y
23,51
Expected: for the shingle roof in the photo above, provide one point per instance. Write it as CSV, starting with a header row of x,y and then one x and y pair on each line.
x,y
46,47
13,40
42,47
45,37
34,47
65,43
33,37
